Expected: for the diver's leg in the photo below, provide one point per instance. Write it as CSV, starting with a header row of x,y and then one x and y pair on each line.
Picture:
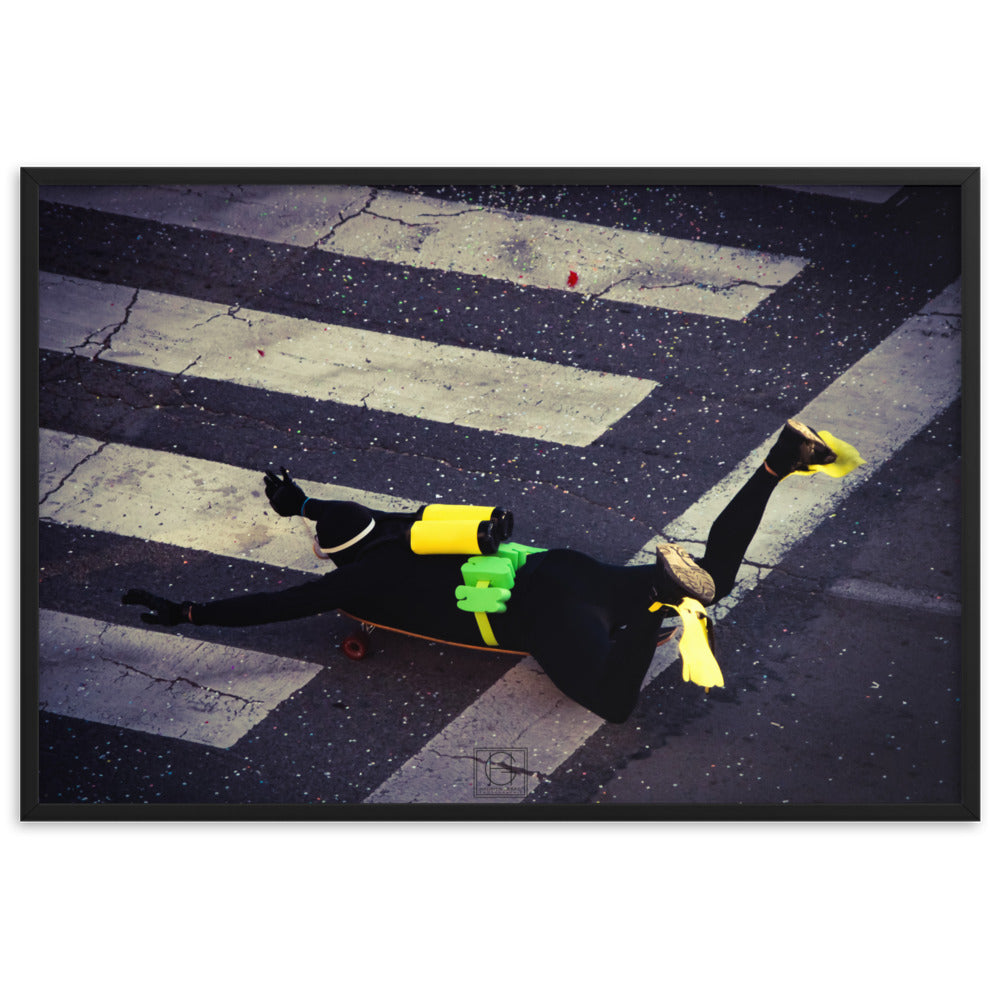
x,y
733,530
797,448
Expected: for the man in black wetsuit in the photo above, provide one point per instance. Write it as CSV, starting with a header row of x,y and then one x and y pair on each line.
x,y
588,624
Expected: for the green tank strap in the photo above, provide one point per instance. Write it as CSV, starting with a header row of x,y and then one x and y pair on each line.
x,y
487,582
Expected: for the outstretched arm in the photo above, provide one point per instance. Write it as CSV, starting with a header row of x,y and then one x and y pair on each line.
x,y
326,593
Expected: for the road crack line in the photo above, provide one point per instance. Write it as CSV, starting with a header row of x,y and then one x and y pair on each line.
x,y
130,668
511,768
344,219
62,482
90,341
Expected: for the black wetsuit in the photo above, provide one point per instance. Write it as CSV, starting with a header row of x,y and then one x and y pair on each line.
x,y
585,622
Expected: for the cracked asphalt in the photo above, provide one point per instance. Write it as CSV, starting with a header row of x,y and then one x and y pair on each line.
x,y
829,698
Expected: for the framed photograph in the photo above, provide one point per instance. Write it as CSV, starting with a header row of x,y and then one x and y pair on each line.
x,y
524,494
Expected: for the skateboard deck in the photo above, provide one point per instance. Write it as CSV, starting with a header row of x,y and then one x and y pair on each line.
x,y
358,643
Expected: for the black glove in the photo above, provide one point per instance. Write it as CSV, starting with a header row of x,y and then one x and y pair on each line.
x,y
164,612
286,498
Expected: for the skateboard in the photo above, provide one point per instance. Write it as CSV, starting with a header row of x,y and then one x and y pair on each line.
x,y
357,645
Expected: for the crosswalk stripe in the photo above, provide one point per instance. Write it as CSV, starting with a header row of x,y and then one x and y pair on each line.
x,y
531,250
160,683
178,500
481,389
878,405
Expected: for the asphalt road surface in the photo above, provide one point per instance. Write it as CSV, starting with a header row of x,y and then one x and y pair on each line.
x,y
609,363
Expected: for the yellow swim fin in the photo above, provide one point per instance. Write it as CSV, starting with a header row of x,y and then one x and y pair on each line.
x,y
698,663
847,459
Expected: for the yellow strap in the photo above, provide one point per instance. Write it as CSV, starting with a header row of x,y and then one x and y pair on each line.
x,y
483,621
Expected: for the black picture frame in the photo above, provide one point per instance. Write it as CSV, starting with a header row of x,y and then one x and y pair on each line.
x,y
965,806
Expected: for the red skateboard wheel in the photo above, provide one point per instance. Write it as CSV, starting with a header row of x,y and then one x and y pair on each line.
x,y
355,646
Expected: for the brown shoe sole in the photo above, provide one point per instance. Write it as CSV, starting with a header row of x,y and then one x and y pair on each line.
x,y
679,566
807,432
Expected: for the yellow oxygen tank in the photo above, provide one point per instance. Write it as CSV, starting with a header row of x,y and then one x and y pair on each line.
x,y
503,520
467,537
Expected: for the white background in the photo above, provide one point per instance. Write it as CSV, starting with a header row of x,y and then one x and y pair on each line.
x,y
243,910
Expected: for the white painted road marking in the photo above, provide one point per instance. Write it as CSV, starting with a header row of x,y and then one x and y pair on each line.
x,y
616,264
177,500
533,250
417,378
871,592
877,405
160,683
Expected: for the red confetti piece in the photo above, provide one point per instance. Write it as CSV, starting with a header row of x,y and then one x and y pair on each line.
x,y
260,352
572,279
